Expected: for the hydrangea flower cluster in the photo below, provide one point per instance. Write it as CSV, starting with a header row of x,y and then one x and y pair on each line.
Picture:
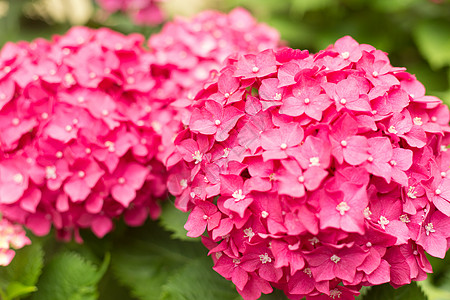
x,y
11,236
89,118
79,134
190,52
142,12
316,174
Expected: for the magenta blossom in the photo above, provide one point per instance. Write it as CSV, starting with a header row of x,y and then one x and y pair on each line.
x,y
316,174
12,236
143,12
80,133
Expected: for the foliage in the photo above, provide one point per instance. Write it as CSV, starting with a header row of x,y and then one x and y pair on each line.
x,y
19,279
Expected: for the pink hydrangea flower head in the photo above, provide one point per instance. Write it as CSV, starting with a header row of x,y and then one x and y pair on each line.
x,y
142,12
80,133
316,173
12,236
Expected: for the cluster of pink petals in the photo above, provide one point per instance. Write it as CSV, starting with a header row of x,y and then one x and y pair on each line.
x,y
88,119
190,52
316,174
143,12
11,236
79,134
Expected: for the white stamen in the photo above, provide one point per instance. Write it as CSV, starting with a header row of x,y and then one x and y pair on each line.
x,y
238,195
404,218
92,75
105,112
437,191
443,174
411,193
343,101
367,213
248,233
370,159
69,128
383,222
393,163
277,96
433,118
264,214
392,129
255,69
227,95
345,55
418,121
44,116
217,122
59,154
197,156
81,174
314,161
301,179
335,258
18,178
80,99
308,272
306,100
342,208
283,146
335,293
429,228
15,121
50,172
265,258
121,180
369,244
344,143
183,183
313,240
374,73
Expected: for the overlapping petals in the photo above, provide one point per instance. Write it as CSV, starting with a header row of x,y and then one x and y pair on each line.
x,y
316,174
12,237
80,133
89,119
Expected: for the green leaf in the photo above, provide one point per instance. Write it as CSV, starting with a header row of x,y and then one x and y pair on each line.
x,y
408,292
392,5
197,280
432,39
433,292
17,290
147,258
69,276
173,220
19,278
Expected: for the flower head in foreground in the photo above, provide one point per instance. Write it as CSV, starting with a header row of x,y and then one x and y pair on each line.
x,y
79,133
143,12
316,174
11,237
